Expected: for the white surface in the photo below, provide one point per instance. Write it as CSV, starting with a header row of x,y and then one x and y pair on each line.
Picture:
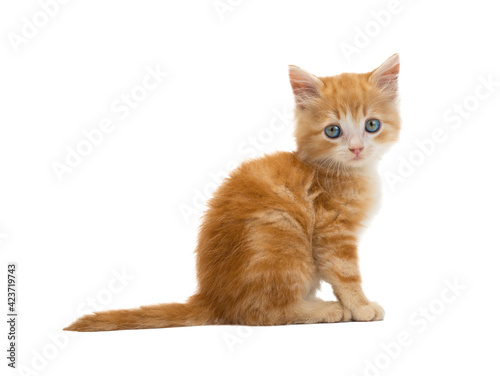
x,y
121,207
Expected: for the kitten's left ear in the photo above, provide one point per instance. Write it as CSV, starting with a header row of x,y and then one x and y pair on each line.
x,y
306,86
386,76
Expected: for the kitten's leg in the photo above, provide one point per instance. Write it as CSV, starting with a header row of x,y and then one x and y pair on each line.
x,y
318,311
277,279
338,265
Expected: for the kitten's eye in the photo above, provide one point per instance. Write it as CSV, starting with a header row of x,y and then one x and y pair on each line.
x,y
372,125
333,131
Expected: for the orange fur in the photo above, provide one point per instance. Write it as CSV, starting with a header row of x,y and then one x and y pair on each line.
x,y
282,223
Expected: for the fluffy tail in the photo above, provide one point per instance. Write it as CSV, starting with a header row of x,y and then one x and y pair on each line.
x,y
147,317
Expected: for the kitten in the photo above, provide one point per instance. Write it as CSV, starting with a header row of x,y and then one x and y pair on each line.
x,y
282,223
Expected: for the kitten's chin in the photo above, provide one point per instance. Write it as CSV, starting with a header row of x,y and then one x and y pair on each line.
x,y
356,163
361,161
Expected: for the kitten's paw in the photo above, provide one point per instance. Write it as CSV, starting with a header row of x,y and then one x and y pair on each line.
x,y
337,312
369,312
346,314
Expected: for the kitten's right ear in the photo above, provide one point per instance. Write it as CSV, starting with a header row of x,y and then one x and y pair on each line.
x,y
386,76
305,86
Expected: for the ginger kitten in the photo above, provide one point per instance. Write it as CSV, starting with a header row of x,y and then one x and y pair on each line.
x,y
282,223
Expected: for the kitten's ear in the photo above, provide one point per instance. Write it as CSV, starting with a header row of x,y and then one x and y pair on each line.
x,y
385,77
306,86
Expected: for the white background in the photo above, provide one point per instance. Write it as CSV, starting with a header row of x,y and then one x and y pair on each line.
x,y
120,209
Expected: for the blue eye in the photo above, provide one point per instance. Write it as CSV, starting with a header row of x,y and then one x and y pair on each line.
x,y
372,125
333,131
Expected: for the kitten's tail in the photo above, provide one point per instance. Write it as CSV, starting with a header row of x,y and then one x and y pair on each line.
x,y
168,315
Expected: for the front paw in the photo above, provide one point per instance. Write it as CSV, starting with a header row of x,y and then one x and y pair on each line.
x,y
368,312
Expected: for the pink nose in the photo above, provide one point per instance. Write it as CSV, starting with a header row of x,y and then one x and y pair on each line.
x,y
357,151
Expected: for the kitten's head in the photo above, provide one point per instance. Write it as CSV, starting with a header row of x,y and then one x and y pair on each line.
x,y
348,120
